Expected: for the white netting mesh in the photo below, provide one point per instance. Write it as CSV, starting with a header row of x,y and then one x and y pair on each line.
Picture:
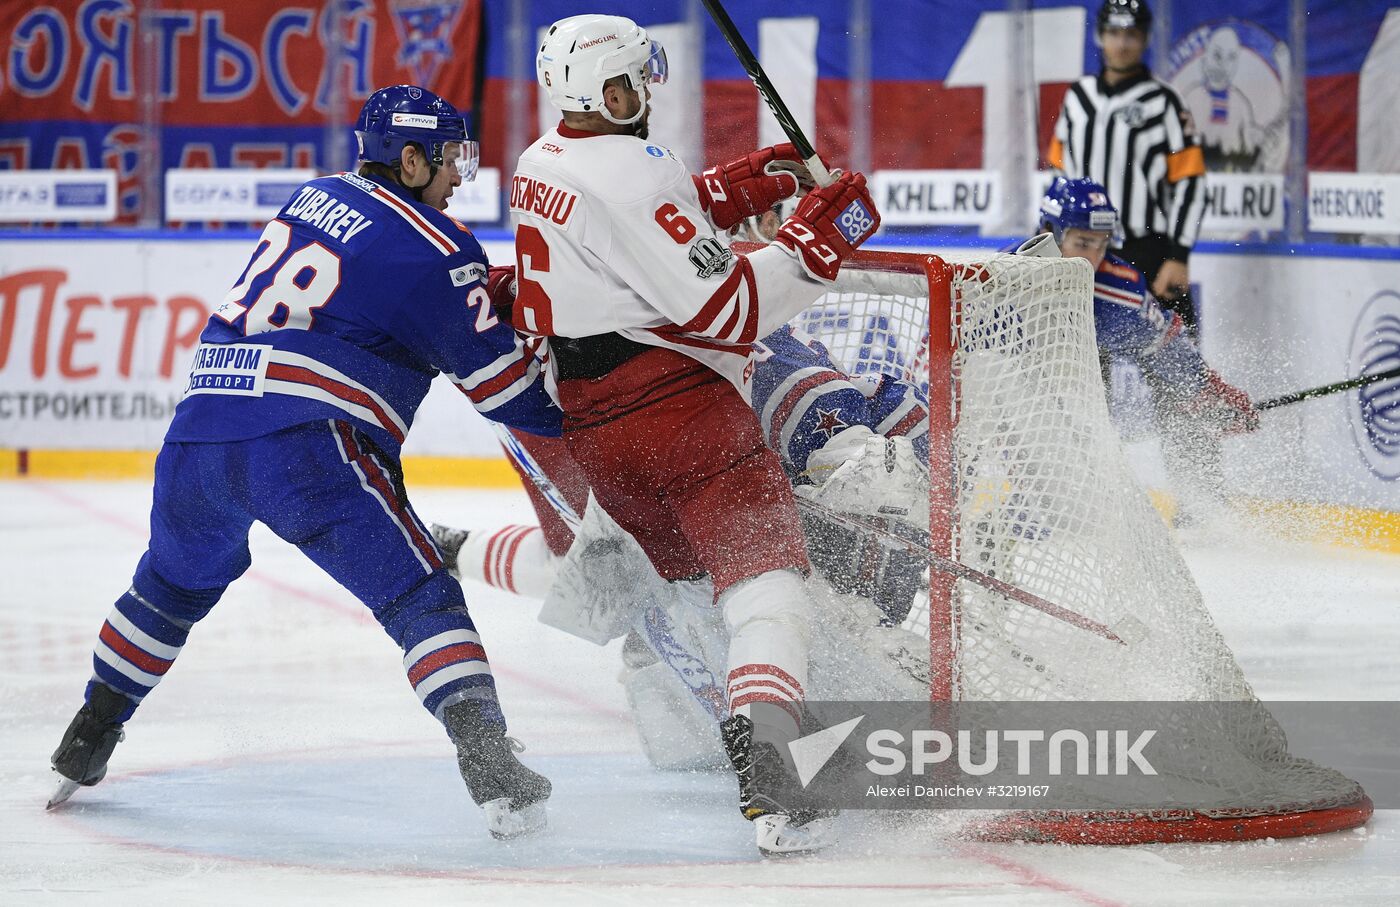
x,y
1046,501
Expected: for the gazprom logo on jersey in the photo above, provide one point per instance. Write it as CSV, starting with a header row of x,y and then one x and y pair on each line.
x,y
87,196
1374,410
233,194
470,272
239,369
654,151
855,222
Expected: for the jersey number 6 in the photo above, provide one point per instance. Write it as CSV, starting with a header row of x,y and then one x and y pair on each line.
x,y
676,224
532,305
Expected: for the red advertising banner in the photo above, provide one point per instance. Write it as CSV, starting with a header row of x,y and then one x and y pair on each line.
x,y
256,83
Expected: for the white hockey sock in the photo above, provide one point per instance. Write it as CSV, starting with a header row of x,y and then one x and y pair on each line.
x,y
767,618
513,558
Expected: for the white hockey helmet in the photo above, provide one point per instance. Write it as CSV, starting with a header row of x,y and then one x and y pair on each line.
x,y
580,53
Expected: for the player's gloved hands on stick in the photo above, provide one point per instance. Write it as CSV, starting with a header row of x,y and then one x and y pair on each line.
x,y
750,185
829,224
1225,404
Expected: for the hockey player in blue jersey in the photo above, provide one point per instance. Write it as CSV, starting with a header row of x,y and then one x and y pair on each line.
x,y
1194,405
304,384
806,401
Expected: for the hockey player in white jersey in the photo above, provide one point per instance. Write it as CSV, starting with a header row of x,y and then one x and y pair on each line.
x,y
651,320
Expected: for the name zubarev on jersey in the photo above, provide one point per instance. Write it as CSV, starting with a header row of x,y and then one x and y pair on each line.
x,y
536,197
325,212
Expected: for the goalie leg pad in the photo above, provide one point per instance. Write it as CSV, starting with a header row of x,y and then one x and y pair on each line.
x,y
691,641
677,733
604,584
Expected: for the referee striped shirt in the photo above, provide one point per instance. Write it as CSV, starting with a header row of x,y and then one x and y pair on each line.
x,y
1136,139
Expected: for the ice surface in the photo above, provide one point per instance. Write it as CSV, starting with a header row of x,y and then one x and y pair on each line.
x,y
286,760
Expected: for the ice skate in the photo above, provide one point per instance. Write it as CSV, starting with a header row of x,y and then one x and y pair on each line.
x,y
449,542
512,796
81,757
766,790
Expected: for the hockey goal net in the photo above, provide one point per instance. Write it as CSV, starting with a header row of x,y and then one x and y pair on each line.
x,y
1029,483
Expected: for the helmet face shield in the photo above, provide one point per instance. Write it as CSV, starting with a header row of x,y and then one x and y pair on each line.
x,y
657,68
466,162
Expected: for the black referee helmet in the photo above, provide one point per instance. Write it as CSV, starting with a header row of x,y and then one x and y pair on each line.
x,y
1124,14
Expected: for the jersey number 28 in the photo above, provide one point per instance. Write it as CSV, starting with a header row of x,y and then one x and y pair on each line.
x,y
302,283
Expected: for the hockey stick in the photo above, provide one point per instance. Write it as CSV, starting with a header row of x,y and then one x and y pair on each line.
x,y
542,482
820,175
951,567
1326,389
653,622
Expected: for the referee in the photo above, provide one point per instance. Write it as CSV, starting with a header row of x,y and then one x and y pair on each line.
x,y
1128,131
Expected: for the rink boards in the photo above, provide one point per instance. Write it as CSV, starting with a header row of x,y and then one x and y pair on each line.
x,y
96,332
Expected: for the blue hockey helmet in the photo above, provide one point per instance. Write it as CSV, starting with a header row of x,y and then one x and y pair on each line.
x,y
1080,204
406,114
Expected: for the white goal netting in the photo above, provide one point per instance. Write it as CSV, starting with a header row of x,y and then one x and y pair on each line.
x,y
1042,497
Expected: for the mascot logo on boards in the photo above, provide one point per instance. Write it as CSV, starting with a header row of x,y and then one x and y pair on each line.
x,y
1233,78
425,35
1374,410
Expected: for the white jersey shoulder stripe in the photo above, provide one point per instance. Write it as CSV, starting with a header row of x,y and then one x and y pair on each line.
x,y
441,241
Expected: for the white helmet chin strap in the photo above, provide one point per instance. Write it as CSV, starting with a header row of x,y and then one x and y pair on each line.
x,y
641,111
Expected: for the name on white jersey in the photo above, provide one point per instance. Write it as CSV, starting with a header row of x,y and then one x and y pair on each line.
x,y
324,212
531,196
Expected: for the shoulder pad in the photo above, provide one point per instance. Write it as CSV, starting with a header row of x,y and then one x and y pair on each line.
x,y
615,169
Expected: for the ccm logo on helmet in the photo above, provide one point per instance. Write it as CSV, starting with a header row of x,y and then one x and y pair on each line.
x,y
415,120
596,41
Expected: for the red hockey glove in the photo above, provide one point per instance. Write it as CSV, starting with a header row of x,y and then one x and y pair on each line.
x,y
500,286
1226,405
829,224
749,186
